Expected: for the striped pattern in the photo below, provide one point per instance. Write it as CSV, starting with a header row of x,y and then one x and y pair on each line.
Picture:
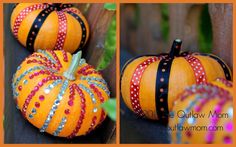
x,y
135,85
198,69
23,14
62,28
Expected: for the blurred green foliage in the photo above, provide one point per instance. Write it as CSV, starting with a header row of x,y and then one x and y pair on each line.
x,y
110,6
110,45
205,31
110,107
165,21
205,28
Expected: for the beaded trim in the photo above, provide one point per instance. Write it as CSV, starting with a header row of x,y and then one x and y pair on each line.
x,y
82,112
205,93
182,120
23,75
55,106
101,86
225,82
60,127
51,86
47,55
36,88
94,79
89,92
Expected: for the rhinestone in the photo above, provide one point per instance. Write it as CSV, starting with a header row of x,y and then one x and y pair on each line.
x,y
46,90
25,81
95,110
33,111
30,116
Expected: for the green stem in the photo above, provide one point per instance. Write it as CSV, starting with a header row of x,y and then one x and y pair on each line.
x,y
70,73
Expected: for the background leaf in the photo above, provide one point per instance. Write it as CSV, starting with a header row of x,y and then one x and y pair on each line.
x,y
110,6
110,107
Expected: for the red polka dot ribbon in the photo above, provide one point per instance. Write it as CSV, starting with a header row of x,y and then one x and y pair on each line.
x,y
135,85
61,30
23,14
199,72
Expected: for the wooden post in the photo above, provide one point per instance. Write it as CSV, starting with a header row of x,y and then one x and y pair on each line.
x,y
221,17
99,20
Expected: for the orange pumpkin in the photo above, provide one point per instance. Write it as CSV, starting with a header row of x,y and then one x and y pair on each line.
x,y
203,114
49,26
60,94
150,84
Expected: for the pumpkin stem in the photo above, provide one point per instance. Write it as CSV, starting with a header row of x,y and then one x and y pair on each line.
x,y
70,73
175,49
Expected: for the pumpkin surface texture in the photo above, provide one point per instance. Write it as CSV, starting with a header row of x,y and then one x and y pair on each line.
x,y
204,114
59,93
150,83
49,26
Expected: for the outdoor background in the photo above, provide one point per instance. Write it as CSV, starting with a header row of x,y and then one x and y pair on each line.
x,y
99,52
151,29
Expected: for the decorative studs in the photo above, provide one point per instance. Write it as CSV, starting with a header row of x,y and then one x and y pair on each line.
x,y
46,90
20,88
161,99
95,110
37,104
67,111
162,79
161,90
41,97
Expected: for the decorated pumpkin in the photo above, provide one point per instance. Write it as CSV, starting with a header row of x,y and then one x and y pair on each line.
x,y
49,26
204,114
59,93
150,84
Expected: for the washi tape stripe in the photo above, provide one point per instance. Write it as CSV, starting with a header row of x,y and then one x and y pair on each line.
x,y
83,28
135,85
20,17
38,22
223,65
62,29
162,88
198,69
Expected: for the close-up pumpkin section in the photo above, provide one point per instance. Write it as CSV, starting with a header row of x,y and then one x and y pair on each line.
x,y
176,74
60,73
150,84
49,26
